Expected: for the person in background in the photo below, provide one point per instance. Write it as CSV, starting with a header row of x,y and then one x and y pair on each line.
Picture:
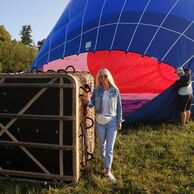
x,y
107,101
185,93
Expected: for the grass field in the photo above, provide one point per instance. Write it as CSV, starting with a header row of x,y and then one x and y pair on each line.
x,y
148,159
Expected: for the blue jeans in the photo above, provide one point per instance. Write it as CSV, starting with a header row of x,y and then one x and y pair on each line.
x,y
107,136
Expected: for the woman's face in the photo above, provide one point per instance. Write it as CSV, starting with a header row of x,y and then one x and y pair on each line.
x,y
103,78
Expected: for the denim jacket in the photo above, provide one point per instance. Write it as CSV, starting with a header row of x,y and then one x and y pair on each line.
x,y
115,102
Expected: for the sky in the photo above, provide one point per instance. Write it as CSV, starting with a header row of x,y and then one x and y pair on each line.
x,y
42,15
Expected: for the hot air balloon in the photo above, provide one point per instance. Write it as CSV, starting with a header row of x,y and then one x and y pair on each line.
x,y
140,42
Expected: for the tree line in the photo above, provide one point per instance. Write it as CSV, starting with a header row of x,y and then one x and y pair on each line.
x,y
16,56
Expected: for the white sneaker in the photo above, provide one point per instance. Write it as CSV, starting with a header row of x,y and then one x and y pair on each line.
x,y
111,177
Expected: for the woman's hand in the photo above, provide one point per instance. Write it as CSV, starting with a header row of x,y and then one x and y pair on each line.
x,y
119,126
86,97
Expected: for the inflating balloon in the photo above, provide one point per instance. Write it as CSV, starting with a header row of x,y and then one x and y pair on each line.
x,y
140,42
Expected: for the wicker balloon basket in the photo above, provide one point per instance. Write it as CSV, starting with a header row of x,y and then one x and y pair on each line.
x,y
46,131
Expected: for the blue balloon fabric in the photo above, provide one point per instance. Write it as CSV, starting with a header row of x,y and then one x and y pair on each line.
x,y
162,31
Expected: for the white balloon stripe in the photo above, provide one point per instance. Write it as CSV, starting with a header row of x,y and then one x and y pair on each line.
x,y
99,22
141,17
177,40
82,27
118,24
161,26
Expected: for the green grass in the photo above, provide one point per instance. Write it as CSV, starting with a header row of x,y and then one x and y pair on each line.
x,y
147,159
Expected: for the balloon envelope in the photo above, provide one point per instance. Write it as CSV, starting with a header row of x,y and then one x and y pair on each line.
x,y
140,42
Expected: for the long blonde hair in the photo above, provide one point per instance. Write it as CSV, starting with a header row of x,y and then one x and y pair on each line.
x,y
109,77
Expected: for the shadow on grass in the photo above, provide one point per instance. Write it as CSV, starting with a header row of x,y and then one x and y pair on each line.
x,y
151,158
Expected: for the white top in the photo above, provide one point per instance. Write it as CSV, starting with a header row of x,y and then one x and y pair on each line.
x,y
187,90
105,117
106,103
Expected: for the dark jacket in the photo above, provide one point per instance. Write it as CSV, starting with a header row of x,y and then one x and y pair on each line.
x,y
184,80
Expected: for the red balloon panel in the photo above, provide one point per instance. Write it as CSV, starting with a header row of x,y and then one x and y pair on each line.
x,y
132,72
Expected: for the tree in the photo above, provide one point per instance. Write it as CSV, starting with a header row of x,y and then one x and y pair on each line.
x,y
40,43
26,35
15,56
4,35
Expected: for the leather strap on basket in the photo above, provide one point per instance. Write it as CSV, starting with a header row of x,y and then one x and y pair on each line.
x,y
86,88
70,67
89,156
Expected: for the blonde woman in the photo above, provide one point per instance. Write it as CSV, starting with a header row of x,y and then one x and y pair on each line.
x,y
107,101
